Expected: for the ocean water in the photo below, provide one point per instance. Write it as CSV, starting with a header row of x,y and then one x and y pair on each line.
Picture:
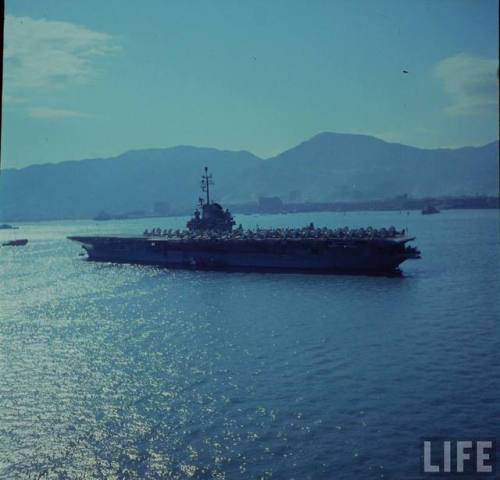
x,y
124,372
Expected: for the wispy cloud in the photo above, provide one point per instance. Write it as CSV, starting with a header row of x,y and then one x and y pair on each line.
x,y
42,53
471,82
54,113
12,99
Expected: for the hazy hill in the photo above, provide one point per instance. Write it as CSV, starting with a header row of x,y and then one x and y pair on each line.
x,y
133,181
329,166
334,166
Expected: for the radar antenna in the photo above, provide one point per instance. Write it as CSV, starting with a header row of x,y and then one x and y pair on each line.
x,y
206,181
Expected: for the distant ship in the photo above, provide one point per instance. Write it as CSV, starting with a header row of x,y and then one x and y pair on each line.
x,y
429,210
103,216
211,242
6,226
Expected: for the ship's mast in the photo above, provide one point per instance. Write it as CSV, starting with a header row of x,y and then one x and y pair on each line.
x,y
206,181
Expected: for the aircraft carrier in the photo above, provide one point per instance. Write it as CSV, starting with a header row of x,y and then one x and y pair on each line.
x,y
211,242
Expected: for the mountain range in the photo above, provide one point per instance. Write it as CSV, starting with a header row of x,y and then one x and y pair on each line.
x,y
328,167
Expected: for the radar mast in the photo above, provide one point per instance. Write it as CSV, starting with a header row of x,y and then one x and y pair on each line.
x,y
206,181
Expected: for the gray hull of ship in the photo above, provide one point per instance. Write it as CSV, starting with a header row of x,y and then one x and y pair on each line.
x,y
363,257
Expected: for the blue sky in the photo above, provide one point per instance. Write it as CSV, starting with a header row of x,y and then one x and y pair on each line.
x,y
87,79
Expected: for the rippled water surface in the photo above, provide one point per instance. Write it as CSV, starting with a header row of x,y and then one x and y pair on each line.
x,y
134,372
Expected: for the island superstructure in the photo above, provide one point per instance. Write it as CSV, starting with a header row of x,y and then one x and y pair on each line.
x,y
211,242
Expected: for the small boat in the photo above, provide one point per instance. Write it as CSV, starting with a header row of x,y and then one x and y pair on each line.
x,y
6,226
429,210
16,243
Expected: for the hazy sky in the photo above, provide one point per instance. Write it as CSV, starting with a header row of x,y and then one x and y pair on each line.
x,y
92,78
